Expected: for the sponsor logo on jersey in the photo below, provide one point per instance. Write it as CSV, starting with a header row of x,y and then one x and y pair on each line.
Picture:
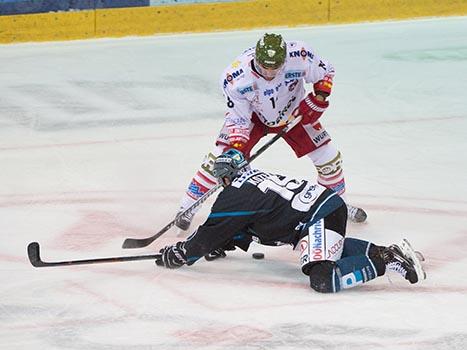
x,y
318,240
304,256
295,74
321,137
258,178
245,89
286,108
304,259
239,181
301,53
268,92
281,119
293,83
335,249
310,195
231,76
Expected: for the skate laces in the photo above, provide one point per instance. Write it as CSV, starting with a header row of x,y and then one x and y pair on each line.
x,y
351,210
396,261
397,267
356,214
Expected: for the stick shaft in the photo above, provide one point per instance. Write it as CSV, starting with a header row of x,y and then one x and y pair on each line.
x,y
36,261
130,243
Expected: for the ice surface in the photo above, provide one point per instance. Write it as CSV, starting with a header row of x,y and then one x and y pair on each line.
x,y
98,140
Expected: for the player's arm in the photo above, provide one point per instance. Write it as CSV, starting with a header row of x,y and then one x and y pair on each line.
x,y
237,118
222,225
321,74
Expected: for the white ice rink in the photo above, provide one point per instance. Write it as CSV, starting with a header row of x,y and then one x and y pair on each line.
x,y
99,138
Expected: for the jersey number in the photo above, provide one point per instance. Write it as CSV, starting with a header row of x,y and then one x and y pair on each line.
x,y
285,186
273,101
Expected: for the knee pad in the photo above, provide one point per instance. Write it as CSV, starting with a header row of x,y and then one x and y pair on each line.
x,y
322,276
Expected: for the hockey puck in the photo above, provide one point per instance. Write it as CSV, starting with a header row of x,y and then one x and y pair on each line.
x,y
257,256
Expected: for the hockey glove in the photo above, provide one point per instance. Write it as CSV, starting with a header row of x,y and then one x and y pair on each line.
x,y
215,254
238,137
220,252
172,256
311,108
324,86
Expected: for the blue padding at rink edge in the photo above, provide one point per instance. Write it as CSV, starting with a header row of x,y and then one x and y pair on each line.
x,y
172,2
17,7
121,3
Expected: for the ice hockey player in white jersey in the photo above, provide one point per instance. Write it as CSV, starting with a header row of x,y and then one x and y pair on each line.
x,y
264,88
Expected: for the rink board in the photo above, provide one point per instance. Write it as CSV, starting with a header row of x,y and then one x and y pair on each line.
x,y
209,17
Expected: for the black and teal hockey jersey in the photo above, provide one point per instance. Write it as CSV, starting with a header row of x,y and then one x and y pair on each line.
x,y
270,208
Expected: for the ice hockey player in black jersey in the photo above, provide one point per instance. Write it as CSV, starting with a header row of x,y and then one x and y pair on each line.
x,y
274,210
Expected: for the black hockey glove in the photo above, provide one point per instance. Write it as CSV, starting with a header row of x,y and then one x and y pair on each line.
x,y
220,252
215,254
172,256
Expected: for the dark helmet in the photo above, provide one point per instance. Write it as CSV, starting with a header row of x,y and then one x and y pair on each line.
x,y
228,165
271,51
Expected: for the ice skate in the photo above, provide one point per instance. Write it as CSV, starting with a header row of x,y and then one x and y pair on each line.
x,y
183,222
403,260
355,214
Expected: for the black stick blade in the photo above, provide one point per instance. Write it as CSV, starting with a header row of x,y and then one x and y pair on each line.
x,y
34,254
131,243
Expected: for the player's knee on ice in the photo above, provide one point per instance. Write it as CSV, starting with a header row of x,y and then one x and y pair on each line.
x,y
321,276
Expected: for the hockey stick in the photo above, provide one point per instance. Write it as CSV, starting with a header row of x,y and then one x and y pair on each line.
x,y
36,261
143,242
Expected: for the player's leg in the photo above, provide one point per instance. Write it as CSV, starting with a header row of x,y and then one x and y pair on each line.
x,y
315,142
201,183
203,180
321,245
333,262
328,163
362,261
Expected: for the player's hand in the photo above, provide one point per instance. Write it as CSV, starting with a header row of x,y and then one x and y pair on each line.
x,y
215,254
324,86
220,252
172,256
311,108
238,137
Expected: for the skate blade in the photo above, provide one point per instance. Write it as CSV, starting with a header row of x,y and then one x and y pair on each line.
x,y
420,256
412,254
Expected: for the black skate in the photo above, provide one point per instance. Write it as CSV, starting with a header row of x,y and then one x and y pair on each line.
x,y
403,260
183,222
355,214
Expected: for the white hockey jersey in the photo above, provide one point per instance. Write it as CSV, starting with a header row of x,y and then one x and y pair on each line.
x,y
273,101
